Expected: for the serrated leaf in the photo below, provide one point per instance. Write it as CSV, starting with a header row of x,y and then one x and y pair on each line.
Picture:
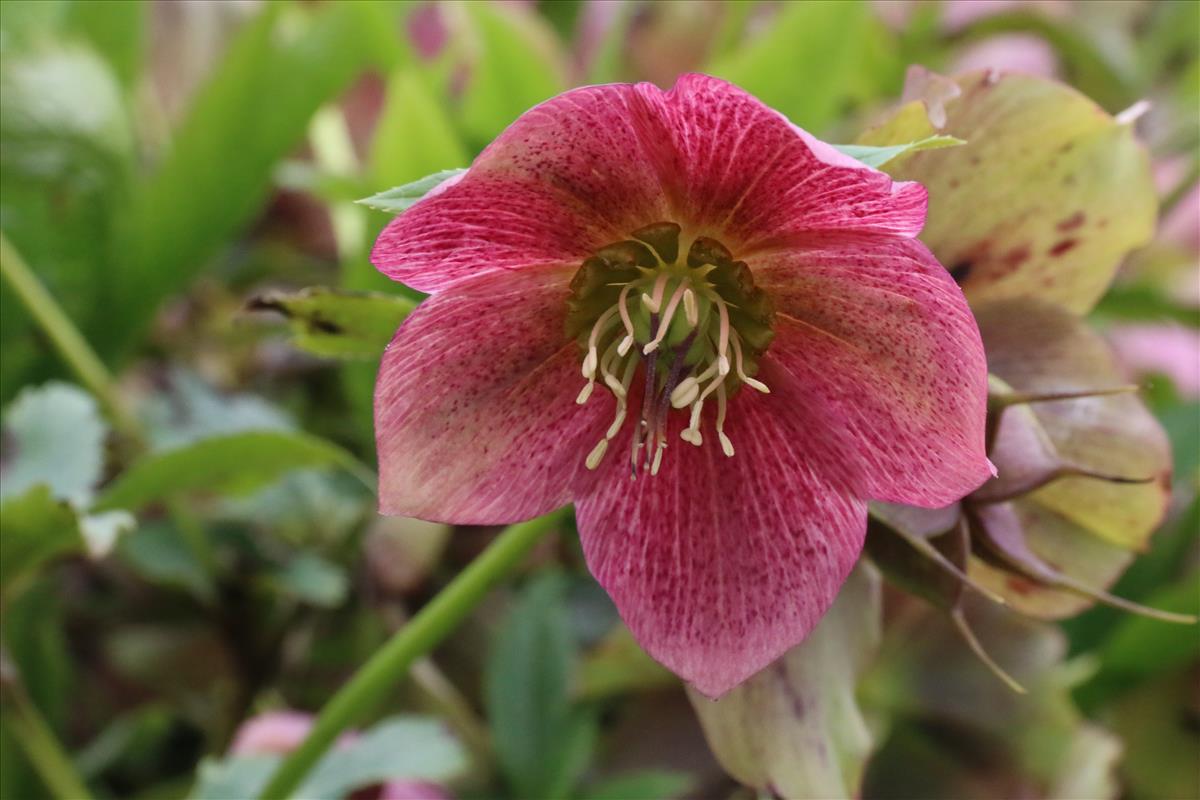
x,y
401,198
235,463
53,436
878,156
337,323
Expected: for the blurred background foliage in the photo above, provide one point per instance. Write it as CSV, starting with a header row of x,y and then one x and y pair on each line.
x,y
199,545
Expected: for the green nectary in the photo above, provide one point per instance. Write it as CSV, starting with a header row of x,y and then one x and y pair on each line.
x,y
695,322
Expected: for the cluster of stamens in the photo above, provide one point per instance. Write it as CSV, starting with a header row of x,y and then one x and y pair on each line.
x,y
696,325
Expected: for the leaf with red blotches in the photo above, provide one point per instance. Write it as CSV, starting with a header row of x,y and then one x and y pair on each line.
x,y
1046,197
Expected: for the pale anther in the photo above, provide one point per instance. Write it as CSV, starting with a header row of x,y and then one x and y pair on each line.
x,y
593,459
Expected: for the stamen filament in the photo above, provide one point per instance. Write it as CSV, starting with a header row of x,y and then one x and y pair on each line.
x,y
653,303
667,316
726,445
735,340
723,336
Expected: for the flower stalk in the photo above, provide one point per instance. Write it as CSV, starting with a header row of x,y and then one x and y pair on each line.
x,y
34,735
426,630
66,338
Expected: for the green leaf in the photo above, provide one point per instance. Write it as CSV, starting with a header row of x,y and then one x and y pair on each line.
x,y
414,135
190,409
116,28
402,198
34,527
804,64
528,675
277,72
313,580
338,323
159,553
62,111
515,63
401,748
878,156
54,437
240,777
65,158
234,463
648,784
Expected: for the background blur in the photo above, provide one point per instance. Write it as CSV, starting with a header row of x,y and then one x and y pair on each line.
x,y
166,163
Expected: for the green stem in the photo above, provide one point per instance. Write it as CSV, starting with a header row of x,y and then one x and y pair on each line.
x,y
430,626
66,337
34,735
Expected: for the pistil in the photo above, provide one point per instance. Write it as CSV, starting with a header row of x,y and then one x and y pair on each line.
x,y
684,309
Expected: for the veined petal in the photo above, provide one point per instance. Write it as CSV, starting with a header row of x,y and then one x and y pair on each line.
x,y
717,569
569,176
475,419
795,729
742,169
883,364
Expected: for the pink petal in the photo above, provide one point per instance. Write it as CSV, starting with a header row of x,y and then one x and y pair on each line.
x,y
273,732
590,166
882,356
475,414
719,565
413,790
568,177
743,169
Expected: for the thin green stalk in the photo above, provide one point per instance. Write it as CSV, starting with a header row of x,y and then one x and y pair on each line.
x,y
66,337
430,626
45,754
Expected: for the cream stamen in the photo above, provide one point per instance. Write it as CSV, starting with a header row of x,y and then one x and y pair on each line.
x,y
735,340
665,324
726,445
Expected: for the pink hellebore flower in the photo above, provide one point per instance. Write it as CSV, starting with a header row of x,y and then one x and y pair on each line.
x,y
773,347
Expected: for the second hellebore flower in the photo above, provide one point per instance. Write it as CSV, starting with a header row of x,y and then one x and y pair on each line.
x,y
714,334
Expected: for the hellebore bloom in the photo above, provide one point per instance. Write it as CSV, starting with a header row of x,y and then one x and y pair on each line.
x,y
714,334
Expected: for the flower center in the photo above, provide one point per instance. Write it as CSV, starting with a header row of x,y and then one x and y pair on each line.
x,y
696,324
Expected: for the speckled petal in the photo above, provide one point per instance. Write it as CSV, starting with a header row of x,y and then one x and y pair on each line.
x,y
795,729
475,419
742,169
590,166
877,348
719,565
570,176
